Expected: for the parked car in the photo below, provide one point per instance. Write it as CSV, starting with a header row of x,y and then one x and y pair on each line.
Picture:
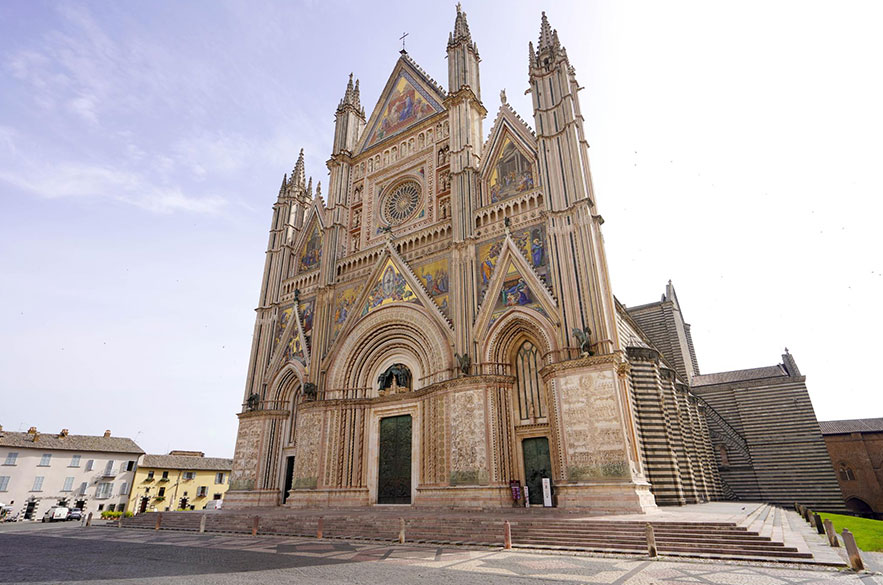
x,y
55,513
8,514
75,514
213,505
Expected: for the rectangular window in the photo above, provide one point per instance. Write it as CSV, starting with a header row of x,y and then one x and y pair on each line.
x,y
219,478
111,507
108,469
130,466
150,474
188,475
216,497
104,491
4,482
201,491
38,484
10,458
82,490
162,492
100,507
89,464
124,489
68,484
75,461
45,459
165,475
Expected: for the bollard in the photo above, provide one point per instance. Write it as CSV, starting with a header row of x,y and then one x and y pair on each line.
x,y
507,535
807,514
855,559
120,520
320,526
89,519
158,521
401,531
796,507
254,525
832,534
820,528
651,541
202,523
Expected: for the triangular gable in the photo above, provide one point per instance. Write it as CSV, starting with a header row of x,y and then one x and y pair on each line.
x,y
308,246
513,284
508,166
408,98
389,286
401,286
289,343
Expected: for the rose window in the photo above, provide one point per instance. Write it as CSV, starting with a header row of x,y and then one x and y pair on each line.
x,y
401,203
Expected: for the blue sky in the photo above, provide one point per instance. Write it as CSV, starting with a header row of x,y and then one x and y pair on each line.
x,y
735,150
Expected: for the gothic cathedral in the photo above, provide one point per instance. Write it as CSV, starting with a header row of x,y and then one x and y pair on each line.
x,y
440,321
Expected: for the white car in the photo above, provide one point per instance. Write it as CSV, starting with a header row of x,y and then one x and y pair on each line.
x,y
55,513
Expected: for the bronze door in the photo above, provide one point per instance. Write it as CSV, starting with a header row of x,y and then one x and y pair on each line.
x,y
394,469
537,465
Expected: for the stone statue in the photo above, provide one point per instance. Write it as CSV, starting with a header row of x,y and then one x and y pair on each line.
x,y
396,373
252,402
584,339
463,362
310,391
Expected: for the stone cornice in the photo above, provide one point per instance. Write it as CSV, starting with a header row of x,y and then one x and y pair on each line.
x,y
643,353
262,414
552,370
461,383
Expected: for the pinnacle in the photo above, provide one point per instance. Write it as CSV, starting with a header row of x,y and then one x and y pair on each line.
x,y
546,41
351,95
297,175
461,29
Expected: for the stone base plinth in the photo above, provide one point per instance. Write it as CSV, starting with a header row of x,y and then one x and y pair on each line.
x,y
606,497
235,500
319,498
464,497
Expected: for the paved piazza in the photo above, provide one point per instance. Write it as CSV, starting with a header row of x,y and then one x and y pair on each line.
x,y
66,553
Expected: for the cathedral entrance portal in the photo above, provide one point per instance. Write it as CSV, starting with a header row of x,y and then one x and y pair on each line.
x,y
394,467
537,465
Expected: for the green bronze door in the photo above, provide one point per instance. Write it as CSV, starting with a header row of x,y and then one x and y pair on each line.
x,y
537,465
394,469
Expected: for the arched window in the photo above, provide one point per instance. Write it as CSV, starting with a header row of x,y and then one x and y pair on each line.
x,y
529,385
846,473
724,455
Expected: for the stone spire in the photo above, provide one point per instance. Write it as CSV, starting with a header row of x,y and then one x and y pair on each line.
x,y
461,29
298,179
463,57
349,120
549,48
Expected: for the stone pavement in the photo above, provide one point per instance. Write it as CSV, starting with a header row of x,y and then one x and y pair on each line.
x,y
64,553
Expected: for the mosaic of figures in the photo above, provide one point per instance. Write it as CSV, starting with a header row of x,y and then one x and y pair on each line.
x,y
531,241
391,287
434,276
511,174
282,324
343,306
306,315
406,105
515,293
311,252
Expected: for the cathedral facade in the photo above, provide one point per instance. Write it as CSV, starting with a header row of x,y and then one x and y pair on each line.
x,y
439,323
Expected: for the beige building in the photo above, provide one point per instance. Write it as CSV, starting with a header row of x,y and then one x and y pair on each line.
x,y
39,470
181,480
439,323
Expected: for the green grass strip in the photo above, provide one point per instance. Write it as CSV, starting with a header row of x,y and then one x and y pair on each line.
x,y
868,533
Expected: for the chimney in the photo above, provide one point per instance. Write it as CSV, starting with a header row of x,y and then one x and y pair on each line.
x,y
63,433
107,433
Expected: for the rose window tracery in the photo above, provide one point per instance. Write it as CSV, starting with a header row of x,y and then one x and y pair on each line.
x,y
401,203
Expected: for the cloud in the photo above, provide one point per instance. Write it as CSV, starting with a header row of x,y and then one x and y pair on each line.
x,y
74,180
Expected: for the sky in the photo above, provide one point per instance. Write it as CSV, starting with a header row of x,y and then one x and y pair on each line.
x,y
735,150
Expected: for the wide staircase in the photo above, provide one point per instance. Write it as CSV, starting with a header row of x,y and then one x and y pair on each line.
x,y
758,536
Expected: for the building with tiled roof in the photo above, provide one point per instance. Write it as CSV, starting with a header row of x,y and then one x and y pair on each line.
x,y
856,450
181,480
39,470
